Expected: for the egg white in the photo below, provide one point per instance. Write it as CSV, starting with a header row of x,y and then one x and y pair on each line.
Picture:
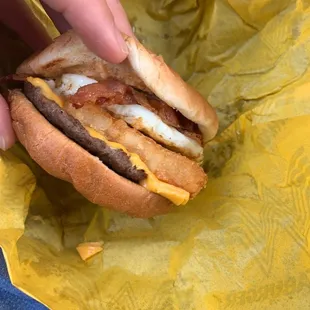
x,y
70,84
151,124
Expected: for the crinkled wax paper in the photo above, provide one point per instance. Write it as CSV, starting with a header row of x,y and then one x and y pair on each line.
x,y
244,242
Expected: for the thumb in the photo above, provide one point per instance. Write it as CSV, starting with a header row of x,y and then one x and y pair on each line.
x,y
7,136
94,22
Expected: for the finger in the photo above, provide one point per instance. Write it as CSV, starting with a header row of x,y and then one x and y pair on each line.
x,y
94,22
117,10
7,136
59,21
120,17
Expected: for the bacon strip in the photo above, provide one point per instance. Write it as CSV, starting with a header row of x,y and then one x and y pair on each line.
x,y
170,116
104,94
110,92
13,77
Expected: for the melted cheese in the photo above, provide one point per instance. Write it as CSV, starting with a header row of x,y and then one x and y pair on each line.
x,y
175,194
46,90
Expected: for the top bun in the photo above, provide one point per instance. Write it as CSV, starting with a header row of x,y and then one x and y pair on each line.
x,y
142,69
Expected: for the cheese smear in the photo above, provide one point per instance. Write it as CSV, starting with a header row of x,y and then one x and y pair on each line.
x,y
45,90
175,194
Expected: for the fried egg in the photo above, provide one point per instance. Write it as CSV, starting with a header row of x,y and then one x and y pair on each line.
x,y
150,124
136,116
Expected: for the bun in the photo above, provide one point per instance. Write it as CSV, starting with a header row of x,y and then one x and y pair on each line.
x,y
68,54
141,69
64,159
167,85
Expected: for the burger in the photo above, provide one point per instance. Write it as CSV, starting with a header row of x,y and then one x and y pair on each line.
x,y
129,137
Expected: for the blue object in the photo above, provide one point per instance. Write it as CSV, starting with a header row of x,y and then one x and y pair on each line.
x,y
12,298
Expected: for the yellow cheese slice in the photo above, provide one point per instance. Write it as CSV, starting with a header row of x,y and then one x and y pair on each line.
x,y
46,90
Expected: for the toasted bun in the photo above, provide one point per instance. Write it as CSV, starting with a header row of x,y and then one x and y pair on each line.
x,y
167,85
64,159
141,69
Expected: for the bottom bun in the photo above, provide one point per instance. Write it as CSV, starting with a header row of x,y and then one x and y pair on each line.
x,y
66,160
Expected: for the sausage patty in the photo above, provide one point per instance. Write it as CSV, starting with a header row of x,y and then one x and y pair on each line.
x,y
115,159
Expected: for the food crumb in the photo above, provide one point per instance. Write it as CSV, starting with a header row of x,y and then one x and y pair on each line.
x,y
89,249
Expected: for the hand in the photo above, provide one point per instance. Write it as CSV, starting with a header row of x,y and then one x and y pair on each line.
x,y
98,22
7,136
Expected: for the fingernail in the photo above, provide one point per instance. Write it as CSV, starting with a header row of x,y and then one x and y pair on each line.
x,y
121,42
3,144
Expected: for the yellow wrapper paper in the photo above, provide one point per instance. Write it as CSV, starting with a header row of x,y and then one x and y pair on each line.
x,y
244,242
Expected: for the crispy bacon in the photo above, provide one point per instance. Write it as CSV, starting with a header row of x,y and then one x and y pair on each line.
x,y
11,81
105,93
171,116
13,77
110,92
